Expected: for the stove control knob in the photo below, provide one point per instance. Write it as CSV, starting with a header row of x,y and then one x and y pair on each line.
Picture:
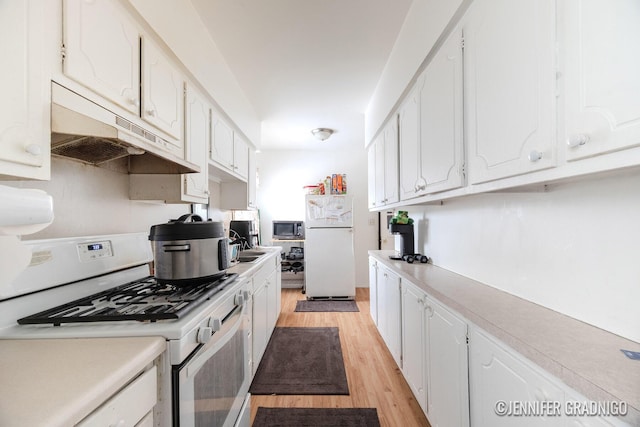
x,y
215,324
204,335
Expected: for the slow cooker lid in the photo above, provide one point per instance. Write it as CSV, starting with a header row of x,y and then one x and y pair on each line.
x,y
180,229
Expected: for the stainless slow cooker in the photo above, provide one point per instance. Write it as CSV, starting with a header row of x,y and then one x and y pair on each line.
x,y
189,251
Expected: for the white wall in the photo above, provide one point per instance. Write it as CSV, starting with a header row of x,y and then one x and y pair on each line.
x,y
573,249
282,175
422,28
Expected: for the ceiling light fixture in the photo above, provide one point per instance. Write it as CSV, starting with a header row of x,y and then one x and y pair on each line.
x,y
322,134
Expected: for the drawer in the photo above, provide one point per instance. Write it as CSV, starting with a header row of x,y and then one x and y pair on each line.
x,y
129,406
262,275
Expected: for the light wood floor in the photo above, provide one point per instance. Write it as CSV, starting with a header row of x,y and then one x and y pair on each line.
x,y
375,381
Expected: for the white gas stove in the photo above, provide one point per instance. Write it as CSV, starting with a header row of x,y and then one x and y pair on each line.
x,y
101,286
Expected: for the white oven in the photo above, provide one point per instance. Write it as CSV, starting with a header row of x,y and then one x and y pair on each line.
x,y
211,386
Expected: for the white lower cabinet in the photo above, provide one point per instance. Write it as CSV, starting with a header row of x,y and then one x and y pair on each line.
x,y
132,406
502,380
414,345
373,289
266,308
461,375
434,358
499,379
389,311
447,367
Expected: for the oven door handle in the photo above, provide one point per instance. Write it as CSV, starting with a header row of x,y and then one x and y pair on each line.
x,y
229,327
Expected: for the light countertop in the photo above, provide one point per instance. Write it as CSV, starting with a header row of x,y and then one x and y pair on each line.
x,y
586,358
247,268
58,382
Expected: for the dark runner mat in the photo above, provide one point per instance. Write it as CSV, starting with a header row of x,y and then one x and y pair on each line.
x,y
316,417
326,305
302,361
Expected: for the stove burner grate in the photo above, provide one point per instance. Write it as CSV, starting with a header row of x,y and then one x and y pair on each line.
x,y
140,300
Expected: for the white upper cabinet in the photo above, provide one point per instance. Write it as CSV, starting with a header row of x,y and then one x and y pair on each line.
x,y
431,128
409,144
162,93
371,176
198,137
221,142
601,76
384,157
102,50
441,143
240,156
25,87
391,161
510,81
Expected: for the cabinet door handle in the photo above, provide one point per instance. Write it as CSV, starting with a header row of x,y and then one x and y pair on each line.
x,y
151,113
577,140
534,156
33,149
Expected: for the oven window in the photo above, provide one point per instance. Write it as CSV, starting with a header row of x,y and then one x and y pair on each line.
x,y
218,383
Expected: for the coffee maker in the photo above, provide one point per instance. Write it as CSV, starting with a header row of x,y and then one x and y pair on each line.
x,y
243,232
404,244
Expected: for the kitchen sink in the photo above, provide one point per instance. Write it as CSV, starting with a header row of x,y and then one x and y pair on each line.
x,y
251,253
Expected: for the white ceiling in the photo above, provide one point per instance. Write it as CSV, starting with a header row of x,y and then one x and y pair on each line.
x,y
305,64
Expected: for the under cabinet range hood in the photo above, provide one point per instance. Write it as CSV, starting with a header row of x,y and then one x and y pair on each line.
x,y
85,131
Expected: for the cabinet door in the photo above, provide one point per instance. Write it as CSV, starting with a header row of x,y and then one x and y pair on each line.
x,y
441,150
379,169
24,119
260,324
409,144
391,162
252,181
371,175
240,156
389,311
221,142
102,50
162,95
373,289
509,51
601,79
499,374
272,302
197,138
448,394
414,338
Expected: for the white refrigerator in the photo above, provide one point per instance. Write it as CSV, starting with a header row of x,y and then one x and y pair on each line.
x,y
328,248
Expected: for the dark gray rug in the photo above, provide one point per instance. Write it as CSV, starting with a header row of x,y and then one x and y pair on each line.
x,y
302,361
316,417
326,305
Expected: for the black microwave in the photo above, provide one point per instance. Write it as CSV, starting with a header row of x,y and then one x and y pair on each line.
x,y
288,230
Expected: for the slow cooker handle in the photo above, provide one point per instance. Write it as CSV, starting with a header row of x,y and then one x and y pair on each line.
x,y
185,217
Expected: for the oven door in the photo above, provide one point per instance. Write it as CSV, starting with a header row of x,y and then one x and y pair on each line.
x,y
211,385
